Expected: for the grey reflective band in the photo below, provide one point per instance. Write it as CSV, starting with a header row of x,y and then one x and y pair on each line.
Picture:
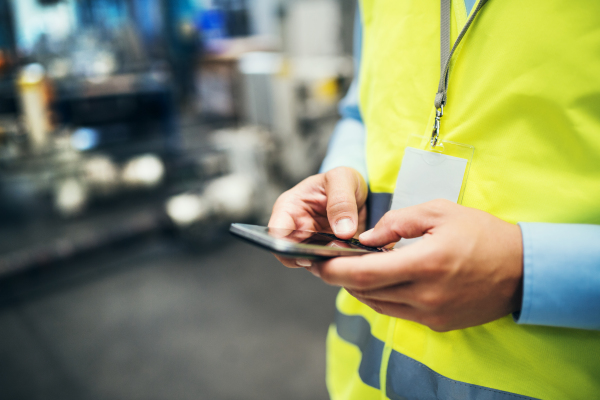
x,y
445,57
410,379
407,379
377,205
356,330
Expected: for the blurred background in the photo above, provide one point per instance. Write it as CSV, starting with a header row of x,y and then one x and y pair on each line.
x,y
132,133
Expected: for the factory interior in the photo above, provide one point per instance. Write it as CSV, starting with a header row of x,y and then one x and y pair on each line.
x,y
132,134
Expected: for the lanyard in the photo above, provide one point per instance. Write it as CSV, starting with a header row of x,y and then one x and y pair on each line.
x,y
445,57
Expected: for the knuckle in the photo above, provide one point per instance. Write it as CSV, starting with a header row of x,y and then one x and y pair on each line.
x,y
442,203
361,277
438,207
438,323
438,256
337,172
440,329
432,299
430,268
309,180
284,198
338,177
338,204
281,199
389,219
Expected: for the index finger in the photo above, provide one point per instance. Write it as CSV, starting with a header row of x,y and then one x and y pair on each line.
x,y
374,271
281,219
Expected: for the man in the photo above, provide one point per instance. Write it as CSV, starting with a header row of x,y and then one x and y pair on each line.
x,y
480,307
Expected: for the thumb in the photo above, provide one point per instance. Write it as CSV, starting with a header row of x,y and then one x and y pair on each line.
x,y
409,222
346,192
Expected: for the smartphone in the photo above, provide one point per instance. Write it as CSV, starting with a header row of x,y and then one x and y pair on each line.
x,y
301,244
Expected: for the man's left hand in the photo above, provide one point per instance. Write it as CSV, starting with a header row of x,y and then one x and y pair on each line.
x,y
466,270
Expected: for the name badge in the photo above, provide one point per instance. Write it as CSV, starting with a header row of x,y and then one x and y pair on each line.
x,y
428,173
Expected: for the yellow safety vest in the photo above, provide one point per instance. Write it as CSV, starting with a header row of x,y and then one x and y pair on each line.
x,y
525,92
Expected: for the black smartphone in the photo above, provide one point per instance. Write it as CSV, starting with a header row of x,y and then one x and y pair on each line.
x,y
301,244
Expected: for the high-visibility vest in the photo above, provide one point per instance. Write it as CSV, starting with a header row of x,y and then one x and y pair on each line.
x,y
524,90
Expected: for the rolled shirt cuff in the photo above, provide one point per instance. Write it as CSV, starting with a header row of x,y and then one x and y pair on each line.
x,y
561,275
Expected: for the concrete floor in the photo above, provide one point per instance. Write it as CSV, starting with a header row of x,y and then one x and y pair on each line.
x,y
153,320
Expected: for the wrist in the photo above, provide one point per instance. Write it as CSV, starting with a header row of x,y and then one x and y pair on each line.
x,y
516,261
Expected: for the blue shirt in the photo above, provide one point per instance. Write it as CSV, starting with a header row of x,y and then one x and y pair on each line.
x,y
561,262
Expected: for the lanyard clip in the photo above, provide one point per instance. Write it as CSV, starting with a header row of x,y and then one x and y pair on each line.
x,y
435,135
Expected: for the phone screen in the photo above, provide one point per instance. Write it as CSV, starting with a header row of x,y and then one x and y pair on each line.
x,y
300,243
314,238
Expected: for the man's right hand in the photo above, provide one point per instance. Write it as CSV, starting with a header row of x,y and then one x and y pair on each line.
x,y
333,202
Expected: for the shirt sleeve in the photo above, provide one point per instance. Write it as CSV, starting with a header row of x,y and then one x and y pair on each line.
x,y
561,276
347,144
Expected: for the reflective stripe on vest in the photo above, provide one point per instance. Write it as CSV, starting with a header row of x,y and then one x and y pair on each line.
x,y
377,205
525,92
420,383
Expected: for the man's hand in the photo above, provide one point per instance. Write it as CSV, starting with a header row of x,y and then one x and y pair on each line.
x,y
466,271
330,202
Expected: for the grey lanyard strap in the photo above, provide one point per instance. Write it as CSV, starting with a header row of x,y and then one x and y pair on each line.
x,y
445,57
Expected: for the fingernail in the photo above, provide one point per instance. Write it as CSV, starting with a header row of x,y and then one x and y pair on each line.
x,y
344,225
365,235
303,262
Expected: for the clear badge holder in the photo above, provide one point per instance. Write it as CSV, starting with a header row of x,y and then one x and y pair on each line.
x,y
431,169
447,148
